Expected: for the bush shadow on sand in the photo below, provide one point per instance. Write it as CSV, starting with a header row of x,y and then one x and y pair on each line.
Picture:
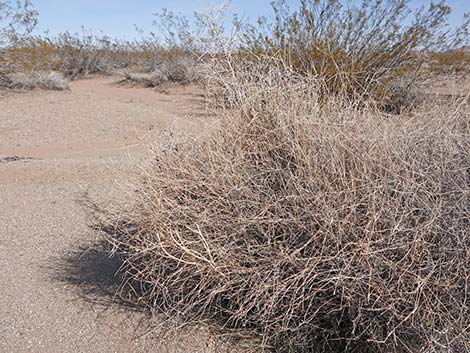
x,y
94,275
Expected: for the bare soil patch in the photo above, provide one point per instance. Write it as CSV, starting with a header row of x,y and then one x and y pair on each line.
x,y
58,289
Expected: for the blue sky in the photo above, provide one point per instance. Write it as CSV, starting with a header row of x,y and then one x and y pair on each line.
x,y
118,17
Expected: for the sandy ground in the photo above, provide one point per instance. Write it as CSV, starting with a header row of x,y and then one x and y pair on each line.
x,y
56,149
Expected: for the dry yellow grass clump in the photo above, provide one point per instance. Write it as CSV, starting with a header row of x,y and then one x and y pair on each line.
x,y
48,80
317,228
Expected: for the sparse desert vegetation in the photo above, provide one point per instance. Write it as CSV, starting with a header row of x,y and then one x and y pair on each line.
x,y
324,206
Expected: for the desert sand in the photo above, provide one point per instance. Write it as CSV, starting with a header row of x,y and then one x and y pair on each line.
x,y
57,150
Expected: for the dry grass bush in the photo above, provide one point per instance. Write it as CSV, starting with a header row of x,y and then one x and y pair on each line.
x,y
137,79
42,80
319,228
181,69
5,80
404,94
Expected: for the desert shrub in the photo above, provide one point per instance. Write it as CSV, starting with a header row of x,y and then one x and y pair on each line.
x,y
319,228
137,79
359,48
404,94
178,69
73,55
17,18
77,55
451,62
37,79
366,49
5,80
80,55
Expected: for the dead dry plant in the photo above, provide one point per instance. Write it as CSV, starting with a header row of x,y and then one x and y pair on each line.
x,y
42,80
316,228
